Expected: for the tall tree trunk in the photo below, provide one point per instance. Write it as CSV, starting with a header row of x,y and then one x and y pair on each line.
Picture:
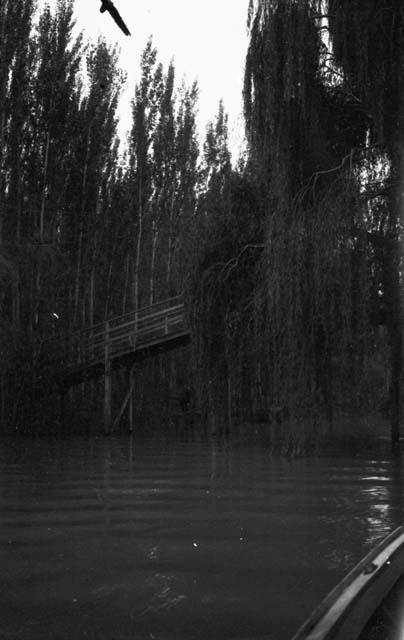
x,y
44,189
77,276
16,304
170,247
3,93
155,232
393,295
91,289
81,233
107,289
37,294
135,283
91,297
125,282
392,265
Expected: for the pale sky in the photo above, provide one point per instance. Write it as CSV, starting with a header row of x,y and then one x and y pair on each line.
x,y
206,38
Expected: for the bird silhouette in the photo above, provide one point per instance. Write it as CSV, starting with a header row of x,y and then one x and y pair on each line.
x,y
108,5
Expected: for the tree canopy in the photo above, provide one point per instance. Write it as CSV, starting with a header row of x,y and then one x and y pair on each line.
x,y
290,259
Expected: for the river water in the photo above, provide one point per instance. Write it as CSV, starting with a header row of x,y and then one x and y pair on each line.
x,y
118,539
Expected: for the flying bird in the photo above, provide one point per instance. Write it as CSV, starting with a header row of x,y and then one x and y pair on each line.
x,y
108,5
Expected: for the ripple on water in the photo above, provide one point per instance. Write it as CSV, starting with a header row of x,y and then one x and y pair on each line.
x,y
166,540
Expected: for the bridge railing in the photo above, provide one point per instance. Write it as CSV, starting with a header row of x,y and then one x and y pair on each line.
x,y
125,333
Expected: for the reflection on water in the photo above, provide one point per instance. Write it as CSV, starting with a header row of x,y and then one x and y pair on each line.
x,y
118,539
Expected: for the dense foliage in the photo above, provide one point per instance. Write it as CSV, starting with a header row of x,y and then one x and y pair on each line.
x,y
88,229
323,111
290,259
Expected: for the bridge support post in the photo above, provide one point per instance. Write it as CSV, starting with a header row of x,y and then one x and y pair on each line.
x,y
130,406
124,403
107,398
228,413
107,382
62,406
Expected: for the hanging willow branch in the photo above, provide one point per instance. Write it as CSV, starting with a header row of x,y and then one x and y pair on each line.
x,y
303,325
314,291
315,283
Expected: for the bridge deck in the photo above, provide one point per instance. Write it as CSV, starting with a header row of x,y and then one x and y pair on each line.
x,y
120,340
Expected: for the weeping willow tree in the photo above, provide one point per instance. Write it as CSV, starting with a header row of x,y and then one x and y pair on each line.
x,y
368,45
305,138
322,104
222,290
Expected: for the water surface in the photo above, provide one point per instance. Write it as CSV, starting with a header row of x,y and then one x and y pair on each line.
x,y
167,540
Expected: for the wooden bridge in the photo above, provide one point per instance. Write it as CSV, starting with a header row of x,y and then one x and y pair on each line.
x,y
117,342
123,339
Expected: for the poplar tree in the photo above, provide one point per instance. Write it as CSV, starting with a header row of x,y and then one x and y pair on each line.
x,y
16,63
145,109
163,176
188,179
175,154
16,69
96,157
56,93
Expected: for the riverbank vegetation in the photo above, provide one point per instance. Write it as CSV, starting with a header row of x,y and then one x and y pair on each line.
x,y
289,259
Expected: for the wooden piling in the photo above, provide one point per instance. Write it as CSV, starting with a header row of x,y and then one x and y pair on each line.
x,y
107,382
62,405
228,417
130,406
124,403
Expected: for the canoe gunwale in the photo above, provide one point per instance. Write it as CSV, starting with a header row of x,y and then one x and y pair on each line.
x,y
345,610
